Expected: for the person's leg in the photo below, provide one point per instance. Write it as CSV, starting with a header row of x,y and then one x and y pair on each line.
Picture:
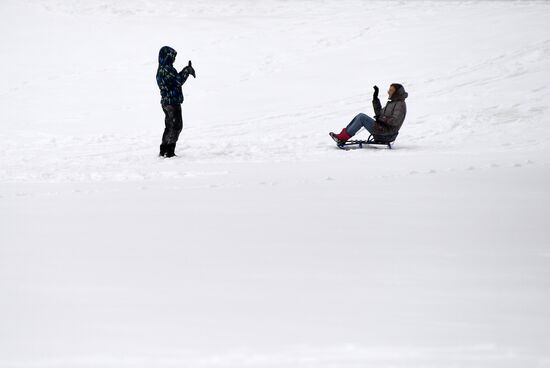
x,y
178,124
368,123
167,128
171,131
360,120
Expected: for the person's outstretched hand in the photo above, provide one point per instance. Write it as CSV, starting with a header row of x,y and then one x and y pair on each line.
x,y
190,70
375,94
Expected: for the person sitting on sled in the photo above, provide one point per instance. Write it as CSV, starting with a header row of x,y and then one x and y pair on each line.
x,y
387,121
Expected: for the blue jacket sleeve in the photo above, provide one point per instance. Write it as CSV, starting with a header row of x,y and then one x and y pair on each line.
x,y
182,76
172,77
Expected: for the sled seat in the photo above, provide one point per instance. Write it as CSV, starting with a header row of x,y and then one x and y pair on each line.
x,y
382,139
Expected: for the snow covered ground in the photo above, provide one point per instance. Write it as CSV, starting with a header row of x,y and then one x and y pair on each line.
x,y
262,244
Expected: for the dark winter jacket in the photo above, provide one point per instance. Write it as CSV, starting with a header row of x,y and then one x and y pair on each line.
x,y
168,79
390,118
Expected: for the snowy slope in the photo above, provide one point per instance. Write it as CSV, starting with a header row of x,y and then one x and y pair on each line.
x,y
262,245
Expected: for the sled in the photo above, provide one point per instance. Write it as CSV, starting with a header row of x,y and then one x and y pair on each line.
x,y
373,140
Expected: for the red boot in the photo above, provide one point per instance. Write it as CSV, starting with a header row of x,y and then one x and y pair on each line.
x,y
340,138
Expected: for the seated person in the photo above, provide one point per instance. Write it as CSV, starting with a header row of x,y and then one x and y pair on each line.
x,y
387,121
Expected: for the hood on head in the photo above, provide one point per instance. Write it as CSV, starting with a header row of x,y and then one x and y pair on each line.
x,y
400,93
167,55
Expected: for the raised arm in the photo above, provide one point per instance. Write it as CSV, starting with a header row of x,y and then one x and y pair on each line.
x,y
376,103
185,73
170,77
182,76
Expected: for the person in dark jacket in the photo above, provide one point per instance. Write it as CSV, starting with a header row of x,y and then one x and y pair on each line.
x,y
170,82
387,121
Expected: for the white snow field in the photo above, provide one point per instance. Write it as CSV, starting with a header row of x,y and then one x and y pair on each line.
x,y
262,244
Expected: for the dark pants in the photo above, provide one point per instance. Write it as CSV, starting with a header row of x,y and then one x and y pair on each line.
x,y
173,124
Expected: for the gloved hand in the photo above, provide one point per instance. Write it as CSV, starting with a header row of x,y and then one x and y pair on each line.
x,y
375,94
190,70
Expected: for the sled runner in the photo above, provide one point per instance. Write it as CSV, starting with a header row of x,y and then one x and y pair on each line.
x,y
375,140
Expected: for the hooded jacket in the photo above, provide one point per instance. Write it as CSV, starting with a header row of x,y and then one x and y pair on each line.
x,y
168,79
390,118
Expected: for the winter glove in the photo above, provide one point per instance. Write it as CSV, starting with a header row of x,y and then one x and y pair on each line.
x,y
375,94
189,69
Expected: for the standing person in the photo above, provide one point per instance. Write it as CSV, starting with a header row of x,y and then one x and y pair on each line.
x,y
387,121
170,82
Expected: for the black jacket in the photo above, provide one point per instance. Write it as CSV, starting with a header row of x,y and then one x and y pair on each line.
x,y
168,79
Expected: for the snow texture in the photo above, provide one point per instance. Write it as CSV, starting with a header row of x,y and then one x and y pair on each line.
x,y
262,244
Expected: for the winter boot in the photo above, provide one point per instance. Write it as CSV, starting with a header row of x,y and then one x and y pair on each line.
x,y
341,138
162,150
170,148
